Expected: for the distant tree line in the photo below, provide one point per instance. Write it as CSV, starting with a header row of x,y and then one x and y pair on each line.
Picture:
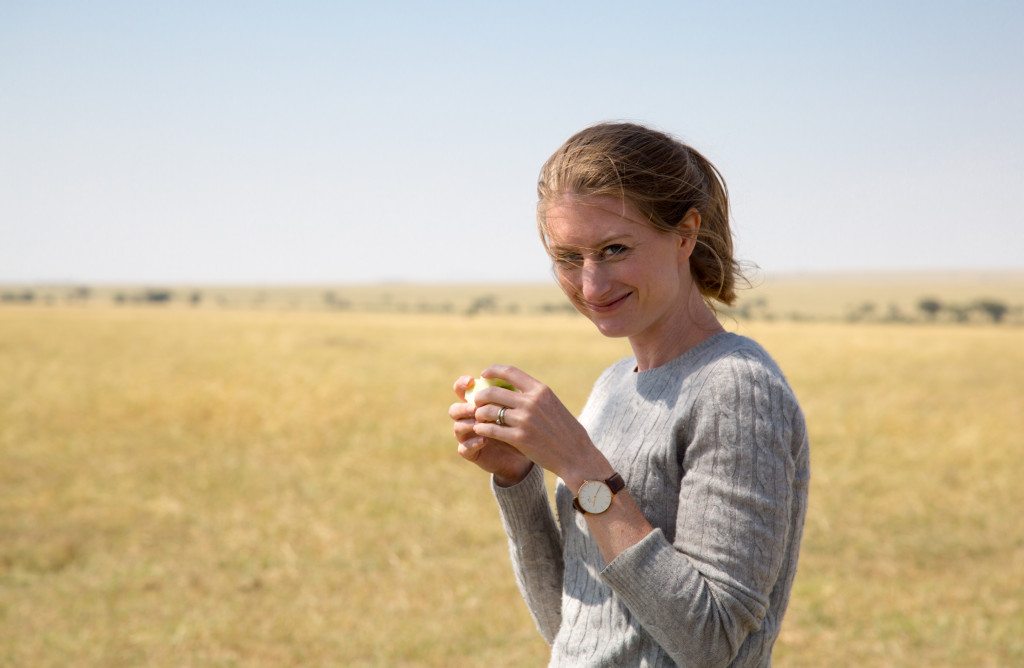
x,y
21,296
994,310
157,296
927,309
932,309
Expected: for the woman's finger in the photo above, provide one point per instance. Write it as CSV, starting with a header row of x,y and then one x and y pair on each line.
x,y
521,380
470,450
461,411
498,396
461,383
474,443
511,435
486,413
463,430
497,414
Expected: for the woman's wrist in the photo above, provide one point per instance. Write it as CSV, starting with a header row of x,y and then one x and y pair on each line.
x,y
508,479
596,467
586,463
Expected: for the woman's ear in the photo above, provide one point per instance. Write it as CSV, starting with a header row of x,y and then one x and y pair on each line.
x,y
689,228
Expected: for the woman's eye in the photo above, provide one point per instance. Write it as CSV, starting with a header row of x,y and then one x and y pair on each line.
x,y
614,250
569,259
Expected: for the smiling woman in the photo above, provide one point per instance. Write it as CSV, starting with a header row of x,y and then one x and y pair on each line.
x,y
627,276
664,181
683,485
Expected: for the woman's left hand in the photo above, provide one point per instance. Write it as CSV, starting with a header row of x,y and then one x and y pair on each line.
x,y
539,425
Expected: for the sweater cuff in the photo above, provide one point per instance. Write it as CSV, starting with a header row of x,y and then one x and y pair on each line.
x,y
524,505
636,569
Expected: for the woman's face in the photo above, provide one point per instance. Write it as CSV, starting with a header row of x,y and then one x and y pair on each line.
x,y
627,277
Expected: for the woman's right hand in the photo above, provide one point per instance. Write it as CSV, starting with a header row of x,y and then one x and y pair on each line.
x,y
507,464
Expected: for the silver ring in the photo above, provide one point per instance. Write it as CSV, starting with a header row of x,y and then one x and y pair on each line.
x,y
501,416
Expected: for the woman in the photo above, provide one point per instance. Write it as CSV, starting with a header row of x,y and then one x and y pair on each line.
x,y
683,485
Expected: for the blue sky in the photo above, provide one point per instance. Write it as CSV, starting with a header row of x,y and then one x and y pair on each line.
x,y
353,142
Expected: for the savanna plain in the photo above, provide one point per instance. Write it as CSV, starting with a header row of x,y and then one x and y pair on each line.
x,y
264,487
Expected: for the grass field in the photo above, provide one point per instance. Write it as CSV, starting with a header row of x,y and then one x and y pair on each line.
x,y
202,487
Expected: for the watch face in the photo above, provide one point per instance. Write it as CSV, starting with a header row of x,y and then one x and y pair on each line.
x,y
595,497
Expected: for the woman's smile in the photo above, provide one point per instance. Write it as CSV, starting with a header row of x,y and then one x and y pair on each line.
x,y
606,306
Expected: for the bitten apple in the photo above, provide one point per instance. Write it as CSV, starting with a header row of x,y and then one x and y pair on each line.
x,y
480,383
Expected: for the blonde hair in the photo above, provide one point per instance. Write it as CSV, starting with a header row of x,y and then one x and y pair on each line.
x,y
662,178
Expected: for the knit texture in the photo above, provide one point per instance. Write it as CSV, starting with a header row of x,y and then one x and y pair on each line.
x,y
713,447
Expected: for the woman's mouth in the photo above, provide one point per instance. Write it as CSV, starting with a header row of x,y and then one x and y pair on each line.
x,y
605,306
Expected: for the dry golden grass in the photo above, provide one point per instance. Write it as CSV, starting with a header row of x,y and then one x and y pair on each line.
x,y
202,487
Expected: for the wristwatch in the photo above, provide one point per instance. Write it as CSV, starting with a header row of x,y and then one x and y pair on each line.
x,y
595,496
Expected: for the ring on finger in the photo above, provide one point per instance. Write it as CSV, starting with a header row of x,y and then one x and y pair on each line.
x,y
501,416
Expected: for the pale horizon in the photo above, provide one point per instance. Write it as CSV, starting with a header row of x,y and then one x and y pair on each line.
x,y
938,275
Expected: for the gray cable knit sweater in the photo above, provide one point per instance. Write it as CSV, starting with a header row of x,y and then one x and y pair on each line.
x,y
713,447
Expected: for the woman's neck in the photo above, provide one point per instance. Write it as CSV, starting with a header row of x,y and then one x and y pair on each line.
x,y
691,325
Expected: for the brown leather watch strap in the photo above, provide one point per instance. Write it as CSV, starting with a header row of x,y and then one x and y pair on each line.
x,y
615,483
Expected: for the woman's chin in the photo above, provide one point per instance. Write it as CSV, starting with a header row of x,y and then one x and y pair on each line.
x,y
609,327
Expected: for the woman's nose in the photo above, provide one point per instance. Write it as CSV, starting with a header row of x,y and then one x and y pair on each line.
x,y
594,278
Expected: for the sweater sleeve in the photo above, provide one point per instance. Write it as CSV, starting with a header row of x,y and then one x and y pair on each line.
x,y
535,546
701,594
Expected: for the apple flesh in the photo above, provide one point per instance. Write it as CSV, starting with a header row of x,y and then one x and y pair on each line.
x,y
480,383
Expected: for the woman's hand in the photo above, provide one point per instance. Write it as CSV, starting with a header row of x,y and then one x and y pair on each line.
x,y
538,425
507,464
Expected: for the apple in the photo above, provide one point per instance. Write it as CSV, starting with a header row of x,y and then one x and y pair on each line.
x,y
480,383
